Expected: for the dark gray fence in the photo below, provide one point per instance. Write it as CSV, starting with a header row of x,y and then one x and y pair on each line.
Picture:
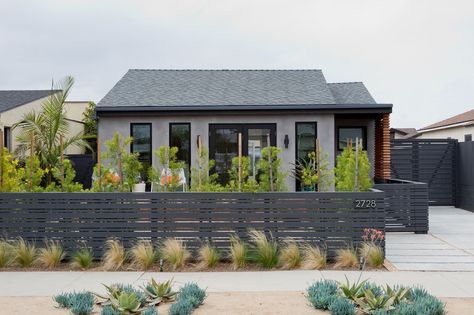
x,y
406,206
465,188
334,220
431,161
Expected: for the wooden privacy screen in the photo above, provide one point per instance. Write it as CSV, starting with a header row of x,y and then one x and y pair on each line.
x,y
326,219
382,146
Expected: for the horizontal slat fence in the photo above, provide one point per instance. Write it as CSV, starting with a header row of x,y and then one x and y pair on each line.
x,y
431,161
465,189
406,206
78,219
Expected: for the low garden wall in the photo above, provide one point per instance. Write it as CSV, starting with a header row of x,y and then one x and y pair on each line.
x,y
406,206
334,219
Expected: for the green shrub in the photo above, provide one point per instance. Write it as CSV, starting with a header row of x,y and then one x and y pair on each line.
x,y
345,171
322,293
265,251
247,182
342,306
201,177
167,159
271,178
181,307
82,259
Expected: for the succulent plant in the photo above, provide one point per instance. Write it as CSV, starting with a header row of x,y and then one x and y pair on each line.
x,y
342,306
150,311
181,307
191,291
126,303
322,293
115,290
79,303
109,310
158,292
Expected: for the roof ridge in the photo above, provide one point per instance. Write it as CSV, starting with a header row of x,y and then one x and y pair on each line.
x,y
39,90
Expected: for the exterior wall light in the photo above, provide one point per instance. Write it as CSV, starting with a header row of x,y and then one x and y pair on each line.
x,y
287,141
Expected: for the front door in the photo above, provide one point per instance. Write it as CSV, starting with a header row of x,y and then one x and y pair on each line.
x,y
223,145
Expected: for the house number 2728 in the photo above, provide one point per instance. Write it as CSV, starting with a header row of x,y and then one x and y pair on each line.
x,y
365,203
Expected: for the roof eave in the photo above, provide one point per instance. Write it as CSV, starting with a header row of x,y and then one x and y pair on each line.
x,y
366,108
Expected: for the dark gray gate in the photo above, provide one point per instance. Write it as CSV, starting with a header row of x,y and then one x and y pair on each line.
x,y
465,193
431,161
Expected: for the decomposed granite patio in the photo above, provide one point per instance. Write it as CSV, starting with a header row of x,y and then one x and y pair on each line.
x,y
449,245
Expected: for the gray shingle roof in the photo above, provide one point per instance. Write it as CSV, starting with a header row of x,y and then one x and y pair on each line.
x,y
175,88
14,98
351,93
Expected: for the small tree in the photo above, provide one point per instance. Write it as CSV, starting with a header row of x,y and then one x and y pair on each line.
x,y
247,182
352,175
167,175
125,163
64,174
271,178
201,178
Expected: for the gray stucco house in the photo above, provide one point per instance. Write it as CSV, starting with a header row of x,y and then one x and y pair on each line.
x,y
294,107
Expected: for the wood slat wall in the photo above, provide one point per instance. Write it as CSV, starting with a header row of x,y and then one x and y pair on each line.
x,y
382,147
75,219
406,206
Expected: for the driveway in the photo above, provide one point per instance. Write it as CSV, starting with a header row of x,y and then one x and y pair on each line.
x,y
449,245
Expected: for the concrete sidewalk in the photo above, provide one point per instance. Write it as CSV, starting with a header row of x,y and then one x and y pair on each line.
x,y
442,284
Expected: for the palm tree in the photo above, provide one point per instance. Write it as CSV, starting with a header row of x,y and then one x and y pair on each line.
x,y
48,129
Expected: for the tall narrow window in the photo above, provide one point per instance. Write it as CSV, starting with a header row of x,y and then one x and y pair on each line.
x,y
306,134
141,134
7,138
180,137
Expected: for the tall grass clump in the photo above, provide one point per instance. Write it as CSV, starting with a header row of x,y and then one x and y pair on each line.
x,y
314,257
265,251
7,253
82,259
174,253
346,258
238,252
25,253
114,256
208,257
143,255
290,255
51,255
374,255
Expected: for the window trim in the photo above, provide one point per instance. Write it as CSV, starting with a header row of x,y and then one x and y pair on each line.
x,y
364,135
190,137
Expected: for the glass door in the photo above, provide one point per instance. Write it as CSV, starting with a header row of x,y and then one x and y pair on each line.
x,y
223,145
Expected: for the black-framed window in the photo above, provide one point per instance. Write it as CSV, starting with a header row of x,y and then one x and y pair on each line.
x,y
7,138
180,137
306,134
223,145
351,133
141,134
468,137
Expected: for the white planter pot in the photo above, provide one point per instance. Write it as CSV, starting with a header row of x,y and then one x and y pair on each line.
x,y
139,187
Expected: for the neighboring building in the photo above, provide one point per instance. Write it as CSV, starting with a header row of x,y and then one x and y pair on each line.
x,y
291,108
402,133
15,103
460,127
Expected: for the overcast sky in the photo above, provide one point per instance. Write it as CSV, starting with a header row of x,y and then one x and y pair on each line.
x,y
417,55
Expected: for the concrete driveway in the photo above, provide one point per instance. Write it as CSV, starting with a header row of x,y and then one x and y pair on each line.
x,y
449,245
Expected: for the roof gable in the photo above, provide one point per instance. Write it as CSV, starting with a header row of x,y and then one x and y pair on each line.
x,y
461,118
13,98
